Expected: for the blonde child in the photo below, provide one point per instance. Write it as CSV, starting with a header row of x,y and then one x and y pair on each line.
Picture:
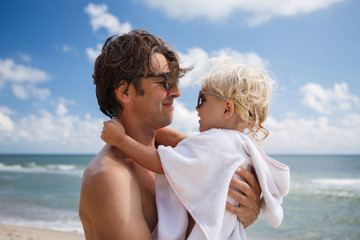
x,y
196,172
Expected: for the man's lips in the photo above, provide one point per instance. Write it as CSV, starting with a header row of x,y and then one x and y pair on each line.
x,y
169,104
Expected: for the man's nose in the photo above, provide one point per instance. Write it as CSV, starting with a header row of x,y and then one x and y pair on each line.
x,y
174,91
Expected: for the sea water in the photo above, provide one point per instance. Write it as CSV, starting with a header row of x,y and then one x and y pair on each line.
x,y
324,201
41,190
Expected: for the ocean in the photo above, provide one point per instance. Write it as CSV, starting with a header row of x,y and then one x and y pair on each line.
x,y
324,201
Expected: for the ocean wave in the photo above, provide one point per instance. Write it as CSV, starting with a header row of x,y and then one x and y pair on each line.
x,y
70,169
330,187
32,215
338,182
64,225
338,187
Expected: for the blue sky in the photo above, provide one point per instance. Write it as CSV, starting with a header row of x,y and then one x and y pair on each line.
x,y
311,48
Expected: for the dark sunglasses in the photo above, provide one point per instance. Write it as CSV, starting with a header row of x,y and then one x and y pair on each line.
x,y
168,84
201,99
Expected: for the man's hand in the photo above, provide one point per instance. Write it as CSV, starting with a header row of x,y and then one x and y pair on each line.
x,y
113,132
249,197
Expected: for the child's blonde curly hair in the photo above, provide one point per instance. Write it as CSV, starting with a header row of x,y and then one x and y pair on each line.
x,y
249,88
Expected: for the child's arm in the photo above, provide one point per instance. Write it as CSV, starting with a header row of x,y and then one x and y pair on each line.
x,y
114,134
169,137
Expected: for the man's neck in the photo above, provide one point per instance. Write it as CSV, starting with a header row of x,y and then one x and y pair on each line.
x,y
140,132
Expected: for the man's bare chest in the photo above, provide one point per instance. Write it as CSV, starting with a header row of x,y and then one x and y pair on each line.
x,y
149,208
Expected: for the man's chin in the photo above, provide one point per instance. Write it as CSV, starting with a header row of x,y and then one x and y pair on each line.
x,y
167,122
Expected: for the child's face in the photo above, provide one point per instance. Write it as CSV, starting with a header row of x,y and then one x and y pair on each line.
x,y
210,111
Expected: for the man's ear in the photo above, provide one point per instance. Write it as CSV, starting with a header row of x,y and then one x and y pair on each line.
x,y
122,93
229,109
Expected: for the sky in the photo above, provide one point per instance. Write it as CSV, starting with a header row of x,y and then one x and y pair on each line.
x,y
309,47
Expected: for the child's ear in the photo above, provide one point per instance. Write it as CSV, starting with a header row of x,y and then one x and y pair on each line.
x,y
122,93
229,109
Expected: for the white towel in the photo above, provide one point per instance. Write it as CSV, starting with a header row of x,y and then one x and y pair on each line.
x,y
197,176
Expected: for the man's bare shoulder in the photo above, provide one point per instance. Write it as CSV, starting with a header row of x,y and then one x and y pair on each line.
x,y
106,179
110,193
107,168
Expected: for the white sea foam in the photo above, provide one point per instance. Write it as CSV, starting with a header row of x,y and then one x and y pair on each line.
x,y
59,225
330,187
32,167
338,182
30,215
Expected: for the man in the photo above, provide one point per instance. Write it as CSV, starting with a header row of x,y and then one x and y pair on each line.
x,y
136,79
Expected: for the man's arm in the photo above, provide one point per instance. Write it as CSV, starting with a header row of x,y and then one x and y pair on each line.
x,y
114,206
249,197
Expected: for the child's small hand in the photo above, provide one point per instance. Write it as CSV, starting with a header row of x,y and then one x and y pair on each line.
x,y
112,132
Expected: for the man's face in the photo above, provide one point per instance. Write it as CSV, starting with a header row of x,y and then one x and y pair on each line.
x,y
156,105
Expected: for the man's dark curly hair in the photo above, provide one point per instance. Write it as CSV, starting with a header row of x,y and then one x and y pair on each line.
x,y
123,59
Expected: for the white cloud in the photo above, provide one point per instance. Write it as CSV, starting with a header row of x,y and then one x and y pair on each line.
x,y
100,18
6,110
25,57
61,110
317,135
94,53
351,120
60,106
9,71
48,133
19,91
185,120
23,80
6,123
68,49
248,58
256,11
41,93
327,101
200,59
30,90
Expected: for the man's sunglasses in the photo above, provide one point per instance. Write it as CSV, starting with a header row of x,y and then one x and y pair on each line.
x,y
168,83
201,99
